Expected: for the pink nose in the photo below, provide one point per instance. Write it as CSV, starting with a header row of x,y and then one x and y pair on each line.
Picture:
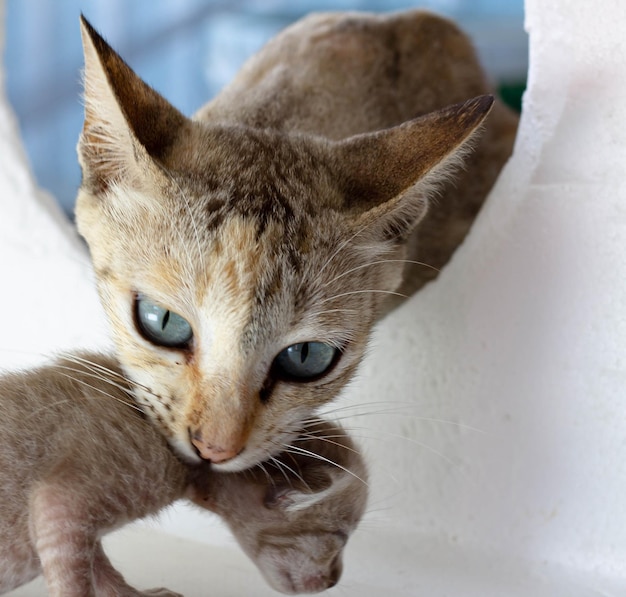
x,y
215,454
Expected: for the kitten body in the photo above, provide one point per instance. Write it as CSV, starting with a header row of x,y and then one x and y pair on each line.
x,y
78,459
274,226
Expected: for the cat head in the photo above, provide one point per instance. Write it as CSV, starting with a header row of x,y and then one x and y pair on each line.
x,y
294,515
243,269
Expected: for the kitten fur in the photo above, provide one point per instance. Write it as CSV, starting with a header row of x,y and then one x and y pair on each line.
x,y
285,211
78,459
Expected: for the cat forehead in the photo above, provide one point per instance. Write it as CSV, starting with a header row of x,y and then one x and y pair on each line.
x,y
253,169
225,260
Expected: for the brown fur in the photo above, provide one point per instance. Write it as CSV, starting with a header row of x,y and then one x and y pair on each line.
x,y
283,212
78,459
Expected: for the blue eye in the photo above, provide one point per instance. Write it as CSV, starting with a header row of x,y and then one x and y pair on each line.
x,y
305,361
162,326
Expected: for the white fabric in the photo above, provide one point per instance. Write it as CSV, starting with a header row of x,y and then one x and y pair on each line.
x,y
48,301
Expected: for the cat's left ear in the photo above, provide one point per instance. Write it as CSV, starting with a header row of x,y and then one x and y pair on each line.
x,y
129,127
387,175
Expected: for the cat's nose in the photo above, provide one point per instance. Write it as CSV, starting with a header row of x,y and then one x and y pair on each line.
x,y
215,453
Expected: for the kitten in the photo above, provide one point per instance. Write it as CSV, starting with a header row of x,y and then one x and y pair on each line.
x,y
244,255
78,459
312,505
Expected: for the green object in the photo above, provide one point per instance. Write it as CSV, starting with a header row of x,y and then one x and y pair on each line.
x,y
511,93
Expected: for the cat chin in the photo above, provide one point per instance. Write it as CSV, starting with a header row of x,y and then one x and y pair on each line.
x,y
253,456
237,464
258,450
241,463
248,459
233,466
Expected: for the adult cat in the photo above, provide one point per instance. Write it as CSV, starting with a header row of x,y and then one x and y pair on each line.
x,y
79,459
244,255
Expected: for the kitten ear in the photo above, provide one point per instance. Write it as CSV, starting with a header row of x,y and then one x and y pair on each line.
x,y
300,493
389,173
127,123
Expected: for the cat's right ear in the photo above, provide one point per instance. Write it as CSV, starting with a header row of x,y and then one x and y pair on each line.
x,y
388,175
128,127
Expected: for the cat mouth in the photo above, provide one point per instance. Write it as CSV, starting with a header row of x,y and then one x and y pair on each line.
x,y
257,450
214,454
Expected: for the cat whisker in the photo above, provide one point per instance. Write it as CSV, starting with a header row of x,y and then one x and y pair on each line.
x,y
347,415
339,249
267,475
352,292
391,435
357,433
305,435
123,382
297,475
318,313
378,519
371,511
386,403
276,443
413,417
329,439
130,404
92,375
342,246
93,365
277,464
95,368
380,262
303,452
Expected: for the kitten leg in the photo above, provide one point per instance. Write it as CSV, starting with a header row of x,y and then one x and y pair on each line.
x,y
110,583
18,564
64,528
63,540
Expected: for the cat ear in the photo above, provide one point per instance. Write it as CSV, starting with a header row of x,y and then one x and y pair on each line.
x,y
127,124
389,174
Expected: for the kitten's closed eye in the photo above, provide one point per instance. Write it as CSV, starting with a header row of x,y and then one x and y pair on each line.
x,y
299,492
161,326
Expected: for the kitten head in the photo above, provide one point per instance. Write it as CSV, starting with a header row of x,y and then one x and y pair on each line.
x,y
294,515
243,269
